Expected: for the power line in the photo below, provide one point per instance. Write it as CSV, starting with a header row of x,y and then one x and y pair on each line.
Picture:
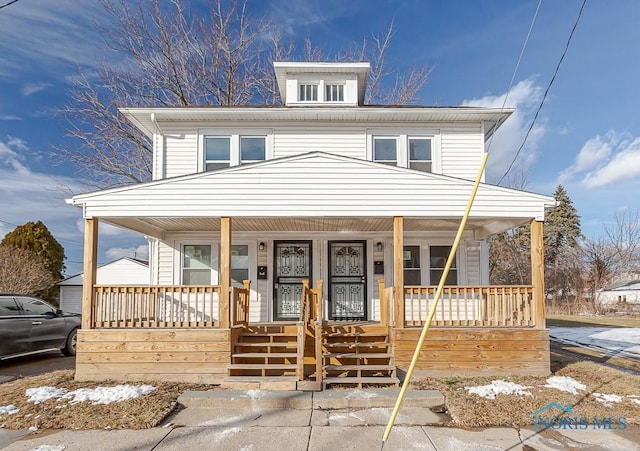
x,y
10,3
544,97
515,70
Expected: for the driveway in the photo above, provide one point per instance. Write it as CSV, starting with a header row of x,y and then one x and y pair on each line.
x,y
33,365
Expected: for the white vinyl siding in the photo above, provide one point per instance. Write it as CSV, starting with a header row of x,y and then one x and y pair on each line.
x,y
473,264
181,153
461,151
165,264
349,142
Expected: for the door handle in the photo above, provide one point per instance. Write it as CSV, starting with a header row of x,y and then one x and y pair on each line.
x,y
36,323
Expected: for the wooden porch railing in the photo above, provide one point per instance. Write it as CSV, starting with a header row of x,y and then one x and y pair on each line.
x,y
240,304
155,306
493,306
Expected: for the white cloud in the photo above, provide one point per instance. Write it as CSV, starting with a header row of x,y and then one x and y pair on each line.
x,y
9,117
524,96
605,160
140,252
11,155
32,88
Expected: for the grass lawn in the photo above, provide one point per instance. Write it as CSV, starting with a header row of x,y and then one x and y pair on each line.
x,y
591,321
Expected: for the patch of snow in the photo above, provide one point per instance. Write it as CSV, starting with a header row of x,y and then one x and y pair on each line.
x,y
10,409
224,421
565,383
360,394
33,428
107,395
606,399
610,340
256,394
499,387
635,400
168,425
49,448
222,434
42,394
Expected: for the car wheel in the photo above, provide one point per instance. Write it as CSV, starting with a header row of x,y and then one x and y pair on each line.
x,y
70,345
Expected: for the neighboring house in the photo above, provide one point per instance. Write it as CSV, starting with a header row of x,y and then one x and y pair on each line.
x,y
619,294
364,201
124,271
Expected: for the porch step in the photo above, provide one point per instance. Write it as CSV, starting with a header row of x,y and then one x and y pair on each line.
x,y
359,367
268,335
358,345
374,380
272,344
262,366
260,383
356,355
265,355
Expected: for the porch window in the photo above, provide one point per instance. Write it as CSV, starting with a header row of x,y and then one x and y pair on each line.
x,y
420,154
196,264
308,93
411,264
385,151
252,148
239,264
334,93
217,151
438,256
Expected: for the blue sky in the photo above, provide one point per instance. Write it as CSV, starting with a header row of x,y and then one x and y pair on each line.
x,y
587,136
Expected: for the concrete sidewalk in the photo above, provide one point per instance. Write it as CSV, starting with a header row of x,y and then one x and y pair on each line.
x,y
329,420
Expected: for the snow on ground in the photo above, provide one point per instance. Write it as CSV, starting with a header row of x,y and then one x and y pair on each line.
x,y
613,341
606,399
49,448
564,383
10,409
499,387
98,395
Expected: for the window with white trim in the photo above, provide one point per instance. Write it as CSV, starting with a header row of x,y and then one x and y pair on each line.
x,y
438,256
411,265
217,152
333,93
239,264
252,148
385,150
420,157
196,264
308,92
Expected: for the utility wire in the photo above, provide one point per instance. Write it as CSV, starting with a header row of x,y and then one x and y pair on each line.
x,y
515,71
544,97
7,4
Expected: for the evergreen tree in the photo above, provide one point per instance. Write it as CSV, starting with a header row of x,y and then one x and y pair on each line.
x,y
36,238
561,236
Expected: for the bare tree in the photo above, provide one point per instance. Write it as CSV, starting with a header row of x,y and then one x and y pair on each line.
x,y
172,57
22,271
624,239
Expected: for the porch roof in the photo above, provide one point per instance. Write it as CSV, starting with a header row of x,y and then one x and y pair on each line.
x,y
311,192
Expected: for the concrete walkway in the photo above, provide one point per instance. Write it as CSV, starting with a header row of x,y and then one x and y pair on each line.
x,y
330,420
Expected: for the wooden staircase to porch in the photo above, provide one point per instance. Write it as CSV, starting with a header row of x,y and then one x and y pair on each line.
x,y
357,355
264,357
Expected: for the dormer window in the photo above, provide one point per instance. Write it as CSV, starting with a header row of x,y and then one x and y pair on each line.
x,y
333,93
308,93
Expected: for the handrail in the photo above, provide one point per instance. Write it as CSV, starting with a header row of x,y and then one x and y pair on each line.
x,y
240,304
155,306
494,305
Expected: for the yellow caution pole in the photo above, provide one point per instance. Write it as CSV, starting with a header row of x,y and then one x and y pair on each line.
x,y
432,312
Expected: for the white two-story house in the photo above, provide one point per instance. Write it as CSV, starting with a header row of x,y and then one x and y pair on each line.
x,y
362,201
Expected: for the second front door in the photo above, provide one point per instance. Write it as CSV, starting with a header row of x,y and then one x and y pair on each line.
x,y
347,280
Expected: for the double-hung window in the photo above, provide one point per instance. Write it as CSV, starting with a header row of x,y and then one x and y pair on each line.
x,y
411,264
217,151
308,92
385,150
438,256
420,154
196,264
252,148
333,93
239,264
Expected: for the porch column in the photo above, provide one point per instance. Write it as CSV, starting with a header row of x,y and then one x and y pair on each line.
x,y
225,271
398,270
90,268
537,274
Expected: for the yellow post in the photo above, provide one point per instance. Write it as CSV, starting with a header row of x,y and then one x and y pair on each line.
x,y
436,298
225,271
398,271
537,274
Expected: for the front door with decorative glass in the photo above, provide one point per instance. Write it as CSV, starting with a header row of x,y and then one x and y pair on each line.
x,y
347,280
292,263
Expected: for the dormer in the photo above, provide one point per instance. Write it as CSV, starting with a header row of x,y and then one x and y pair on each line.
x,y
321,84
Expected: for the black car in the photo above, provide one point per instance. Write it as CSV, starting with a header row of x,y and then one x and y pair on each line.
x,y
29,325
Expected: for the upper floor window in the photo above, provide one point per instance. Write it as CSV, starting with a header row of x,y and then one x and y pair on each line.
x,y
385,151
308,93
334,93
420,154
252,148
217,151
